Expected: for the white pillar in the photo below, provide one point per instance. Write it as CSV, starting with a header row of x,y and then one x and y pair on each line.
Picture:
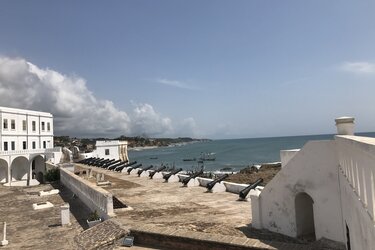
x,y
256,209
345,125
65,214
4,242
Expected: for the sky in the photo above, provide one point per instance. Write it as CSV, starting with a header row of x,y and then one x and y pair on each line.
x,y
206,69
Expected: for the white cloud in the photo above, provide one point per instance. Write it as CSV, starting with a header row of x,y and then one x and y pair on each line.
x,y
358,67
76,110
147,121
177,84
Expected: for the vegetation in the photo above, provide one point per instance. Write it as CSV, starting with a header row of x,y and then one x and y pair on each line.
x,y
94,216
53,175
88,144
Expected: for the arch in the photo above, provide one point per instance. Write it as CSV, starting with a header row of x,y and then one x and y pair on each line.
x,y
3,171
20,168
304,205
38,168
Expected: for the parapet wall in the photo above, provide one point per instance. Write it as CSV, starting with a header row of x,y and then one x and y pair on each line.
x,y
96,198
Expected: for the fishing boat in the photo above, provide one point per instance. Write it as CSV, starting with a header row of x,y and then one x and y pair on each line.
x,y
189,159
207,156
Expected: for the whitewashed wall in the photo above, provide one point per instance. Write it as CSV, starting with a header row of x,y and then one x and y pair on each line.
x,y
313,170
96,198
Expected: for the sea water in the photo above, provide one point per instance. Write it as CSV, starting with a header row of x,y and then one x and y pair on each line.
x,y
233,153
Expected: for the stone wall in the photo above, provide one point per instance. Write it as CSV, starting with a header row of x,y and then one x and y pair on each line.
x,y
96,198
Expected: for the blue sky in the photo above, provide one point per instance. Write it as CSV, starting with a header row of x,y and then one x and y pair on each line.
x,y
218,69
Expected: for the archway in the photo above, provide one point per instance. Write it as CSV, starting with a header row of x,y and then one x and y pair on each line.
x,y
38,168
305,216
3,171
20,168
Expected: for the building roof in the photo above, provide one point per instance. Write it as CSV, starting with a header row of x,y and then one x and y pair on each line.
x,y
24,111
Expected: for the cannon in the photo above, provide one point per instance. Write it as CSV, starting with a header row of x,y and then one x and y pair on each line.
x,y
127,164
104,162
131,168
167,176
118,168
157,171
186,180
84,161
211,184
110,164
107,163
244,192
95,161
101,162
92,159
144,169
115,165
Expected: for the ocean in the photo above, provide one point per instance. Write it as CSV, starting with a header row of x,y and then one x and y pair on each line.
x,y
232,153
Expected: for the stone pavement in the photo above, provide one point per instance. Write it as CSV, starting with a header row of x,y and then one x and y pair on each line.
x,y
105,233
35,229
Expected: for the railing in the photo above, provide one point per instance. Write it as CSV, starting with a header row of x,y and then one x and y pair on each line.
x,y
30,151
357,161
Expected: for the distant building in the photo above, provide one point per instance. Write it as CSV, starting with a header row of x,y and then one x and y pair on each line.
x,y
111,149
326,189
26,142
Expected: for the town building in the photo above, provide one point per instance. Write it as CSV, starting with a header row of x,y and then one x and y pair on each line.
x,y
26,143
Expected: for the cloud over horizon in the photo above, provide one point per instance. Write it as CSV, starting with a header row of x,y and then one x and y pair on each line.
x,y
358,67
76,110
176,84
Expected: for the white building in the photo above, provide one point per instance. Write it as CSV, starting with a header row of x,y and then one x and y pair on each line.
x,y
111,149
326,189
26,142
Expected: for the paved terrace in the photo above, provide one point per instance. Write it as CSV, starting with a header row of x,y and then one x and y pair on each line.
x,y
170,209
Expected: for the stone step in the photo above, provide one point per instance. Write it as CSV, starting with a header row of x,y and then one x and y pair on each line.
x,y
181,239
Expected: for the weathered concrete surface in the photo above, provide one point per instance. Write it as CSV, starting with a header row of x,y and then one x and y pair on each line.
x,y
35,229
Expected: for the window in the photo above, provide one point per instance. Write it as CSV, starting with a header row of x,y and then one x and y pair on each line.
x,y
34,126
13,145
13,124
24,145
34,145
48,126
44,144
24,125
43,126
107,152
5,123
5,146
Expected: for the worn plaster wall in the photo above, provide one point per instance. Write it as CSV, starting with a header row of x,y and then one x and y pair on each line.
x,y
313,170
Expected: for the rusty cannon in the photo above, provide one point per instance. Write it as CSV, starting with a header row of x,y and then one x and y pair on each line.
x,y
107,165
244,192
167,176
187,179
211,184
157,171
134,167
144,169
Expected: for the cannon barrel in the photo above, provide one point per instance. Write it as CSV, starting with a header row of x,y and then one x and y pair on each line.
x,y
167,176
157,170
131,168
95,161
244,192
85,160
120,167
100,164
126,164
186,180
110,164
144,169
211,184
116,165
